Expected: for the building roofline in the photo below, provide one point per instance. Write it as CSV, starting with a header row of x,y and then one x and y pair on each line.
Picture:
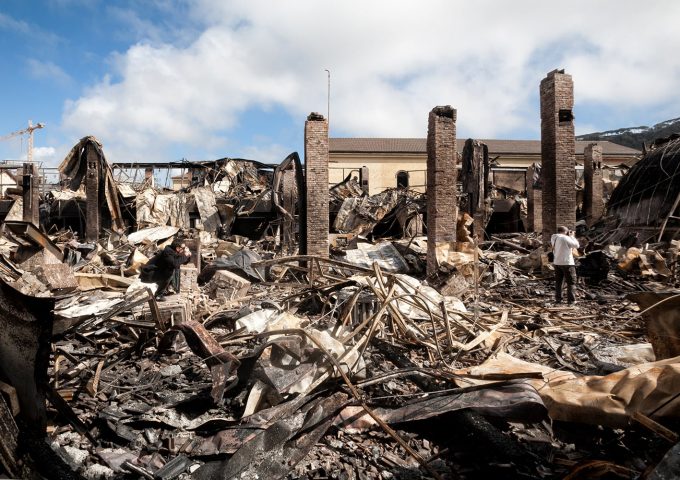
x,y
496,146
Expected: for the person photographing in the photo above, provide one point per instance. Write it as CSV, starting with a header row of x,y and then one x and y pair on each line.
x,y
565,269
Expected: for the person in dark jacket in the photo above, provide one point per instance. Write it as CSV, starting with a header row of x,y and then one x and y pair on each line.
x,y
164,267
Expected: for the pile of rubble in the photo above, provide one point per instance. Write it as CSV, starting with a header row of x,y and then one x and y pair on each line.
x,y
266,363
337,368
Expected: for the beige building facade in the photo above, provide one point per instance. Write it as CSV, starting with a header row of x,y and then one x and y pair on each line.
x,y
402,161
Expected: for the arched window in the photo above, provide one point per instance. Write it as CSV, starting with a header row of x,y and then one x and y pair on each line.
x,y
402,179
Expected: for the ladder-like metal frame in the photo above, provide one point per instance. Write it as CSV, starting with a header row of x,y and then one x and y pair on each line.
x,y
670,215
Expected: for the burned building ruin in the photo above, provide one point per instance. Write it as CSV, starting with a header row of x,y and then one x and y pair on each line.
x,y
339,317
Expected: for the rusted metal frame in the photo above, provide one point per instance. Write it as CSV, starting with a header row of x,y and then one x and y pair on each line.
x,y
426,307
355,393
363,324
304,258
402,323
633,190
346,313
670,215
402,372
670,184
396,317
447,324
325,289
465,315
376,320
34,236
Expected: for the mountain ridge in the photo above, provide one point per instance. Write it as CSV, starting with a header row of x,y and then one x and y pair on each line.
x,y
636,137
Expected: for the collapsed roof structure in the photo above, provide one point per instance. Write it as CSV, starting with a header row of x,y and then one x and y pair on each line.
x,y
317,331
646,200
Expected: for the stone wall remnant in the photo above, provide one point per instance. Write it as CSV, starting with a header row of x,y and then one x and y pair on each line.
x,y
593,205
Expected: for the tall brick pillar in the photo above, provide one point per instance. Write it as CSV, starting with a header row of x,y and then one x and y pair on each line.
x,y
593,206
316,176
92,221
442,208
31,194
534,199
557,153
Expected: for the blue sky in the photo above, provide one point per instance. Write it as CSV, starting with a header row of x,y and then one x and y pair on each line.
x,y
198,79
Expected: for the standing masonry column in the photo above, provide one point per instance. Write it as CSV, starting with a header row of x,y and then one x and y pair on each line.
x,y
593,206
289,187
442,208
475,179
92,220
557,153
363,179
534,199
31,194
316,177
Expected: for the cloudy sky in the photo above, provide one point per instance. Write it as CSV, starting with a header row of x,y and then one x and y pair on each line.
x,y
164,80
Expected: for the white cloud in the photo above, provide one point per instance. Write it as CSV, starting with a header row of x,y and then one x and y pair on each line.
x,y
390,61
269,153
48,71
44,153
47,155
31,32
9,23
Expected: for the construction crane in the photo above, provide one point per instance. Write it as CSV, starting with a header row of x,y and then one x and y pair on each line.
x,y
29,131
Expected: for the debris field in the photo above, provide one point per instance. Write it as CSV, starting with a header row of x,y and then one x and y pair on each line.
x,y
404,342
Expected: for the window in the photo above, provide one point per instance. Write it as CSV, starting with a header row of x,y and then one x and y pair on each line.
x,y
565,116
402,179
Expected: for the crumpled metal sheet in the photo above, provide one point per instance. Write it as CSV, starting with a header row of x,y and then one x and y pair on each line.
x,y
25,341
275,451
648,388
152,234
662,315
207,209
242,260
153,208
158,209
360,214
384,254
513,400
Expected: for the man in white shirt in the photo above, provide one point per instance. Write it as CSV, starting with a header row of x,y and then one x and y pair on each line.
x,y
562,242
